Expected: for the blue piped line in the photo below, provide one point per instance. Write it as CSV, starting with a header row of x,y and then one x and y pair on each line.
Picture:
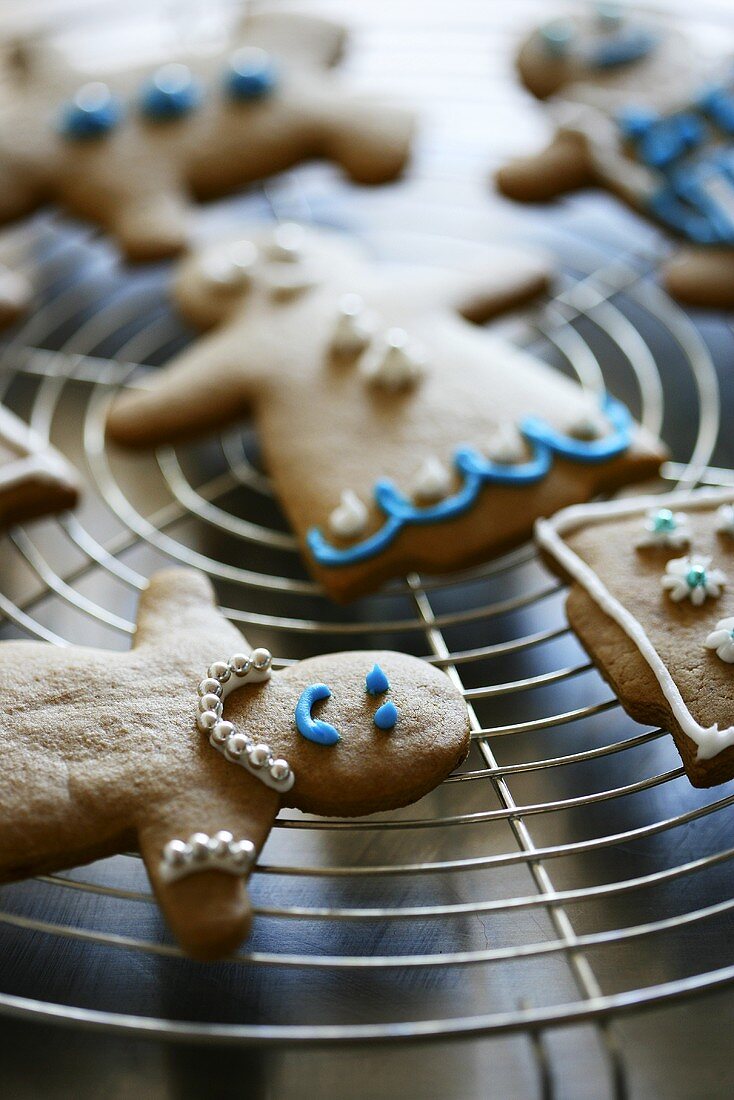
x,y
477,472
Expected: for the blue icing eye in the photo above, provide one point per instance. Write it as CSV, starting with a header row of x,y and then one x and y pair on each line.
x,y
313,729
376,681
93,112
557,37
170,93
386,717
251,74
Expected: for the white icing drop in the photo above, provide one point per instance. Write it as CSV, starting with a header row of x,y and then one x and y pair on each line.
x,y
678,583
722,640
396,362
725,519
548,533
232,267
354,326
287,243
349,518
675,533
432,482
506,445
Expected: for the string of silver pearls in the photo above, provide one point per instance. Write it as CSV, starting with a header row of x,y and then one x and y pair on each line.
x,y
202,852
221,679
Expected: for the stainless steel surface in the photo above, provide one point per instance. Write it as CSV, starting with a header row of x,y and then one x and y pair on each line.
x,y
568,875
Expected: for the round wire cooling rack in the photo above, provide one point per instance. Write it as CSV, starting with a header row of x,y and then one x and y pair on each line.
x,y
558,878
552,880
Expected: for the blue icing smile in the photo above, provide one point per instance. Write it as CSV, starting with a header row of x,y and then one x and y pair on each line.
x,y
314,729
476,471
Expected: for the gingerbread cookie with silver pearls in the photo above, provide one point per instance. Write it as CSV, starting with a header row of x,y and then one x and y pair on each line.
x,y
187,746
398,434
639,108
652,600
132,148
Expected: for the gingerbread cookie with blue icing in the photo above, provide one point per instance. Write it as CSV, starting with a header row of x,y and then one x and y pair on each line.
x,y
399,435
652,600
187,746
132,149
639,109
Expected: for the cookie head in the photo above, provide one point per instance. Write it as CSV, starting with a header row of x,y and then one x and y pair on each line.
x,y
358,732
584,47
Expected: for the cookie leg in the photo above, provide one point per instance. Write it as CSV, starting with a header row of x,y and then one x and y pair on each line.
x,y
151,226
208,910
702,277
562,166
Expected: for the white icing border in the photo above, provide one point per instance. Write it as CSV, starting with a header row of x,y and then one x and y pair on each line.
x,y
549,535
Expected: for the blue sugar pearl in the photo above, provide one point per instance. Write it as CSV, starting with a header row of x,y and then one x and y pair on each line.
x,y
376,681
171,93
696,577
92,113
557,37
386,717
251,74
664,520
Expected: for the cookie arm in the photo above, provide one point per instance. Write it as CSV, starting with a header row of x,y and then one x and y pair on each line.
x,y
199,391
562,166
702,277
370,141
186,599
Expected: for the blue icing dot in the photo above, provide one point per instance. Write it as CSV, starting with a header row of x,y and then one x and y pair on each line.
x,y
93,112
314,729
718,104
557,37
376,681
170,93
251,74
386,717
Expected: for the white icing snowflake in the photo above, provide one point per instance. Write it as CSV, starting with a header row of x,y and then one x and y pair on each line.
x,y
691,578
725,519
665,528
722,640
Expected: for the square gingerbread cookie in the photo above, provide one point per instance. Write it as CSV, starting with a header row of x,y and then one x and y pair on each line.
x,y
652,600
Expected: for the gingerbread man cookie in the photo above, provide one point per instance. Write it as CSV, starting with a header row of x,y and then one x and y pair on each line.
x,y
132,149
35,479
398,434
639,110
652,600
187,747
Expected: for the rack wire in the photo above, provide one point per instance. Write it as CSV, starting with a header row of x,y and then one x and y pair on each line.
x,y
556,879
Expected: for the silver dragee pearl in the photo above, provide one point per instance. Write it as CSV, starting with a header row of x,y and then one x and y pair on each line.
x,y
210,686
220,842
199,846
240,664
280,770
220,671
207,721
259,756
176,852
210,702
242,851
261,659
236,745
221,732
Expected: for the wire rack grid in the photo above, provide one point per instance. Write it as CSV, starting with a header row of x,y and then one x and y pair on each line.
x,y
556,879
